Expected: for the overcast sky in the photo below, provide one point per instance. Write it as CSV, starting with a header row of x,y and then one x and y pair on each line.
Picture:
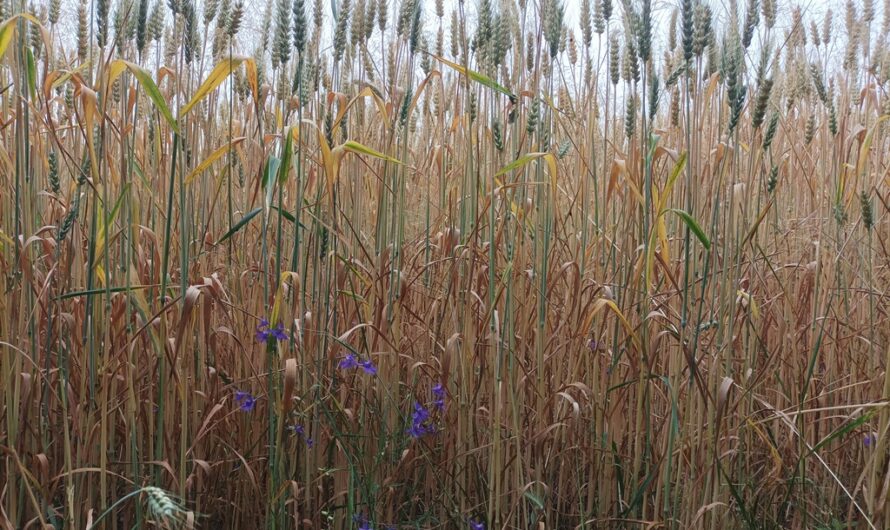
x,y
661,10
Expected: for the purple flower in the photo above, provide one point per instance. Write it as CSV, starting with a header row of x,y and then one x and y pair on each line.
x,y
245,401
278,333
416,431
347,363
363,523
421,414
476,525
350,361
870,439
368,367
300,431
420,425
439,394
265,334
262,331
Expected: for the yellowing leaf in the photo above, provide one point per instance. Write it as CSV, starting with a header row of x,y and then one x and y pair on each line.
x,y
7,29
368,91
863,153
89,103
214,156
148,85
114,70
604,303
523,160
250,67
219,73
279,294
356,147
619,169
672,179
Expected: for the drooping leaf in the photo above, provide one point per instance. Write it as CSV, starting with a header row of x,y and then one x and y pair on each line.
x,y
240,224
90,292
672,179
605,303
693,226
535,499
270,170
286,156
370,92
476,76
148,85
289,216
843,430
269,178
525,159
279,294
356,147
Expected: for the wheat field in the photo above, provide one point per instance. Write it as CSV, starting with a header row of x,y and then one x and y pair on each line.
x,y
409,264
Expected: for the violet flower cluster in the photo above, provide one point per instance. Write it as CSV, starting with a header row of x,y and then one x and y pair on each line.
x,y
299,430
266,334
245,401
350,361
421,421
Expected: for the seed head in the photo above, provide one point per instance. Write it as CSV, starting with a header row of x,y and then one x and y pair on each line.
x,y
142,35
868,220
82,31
771,131
553,17
644,32
768,11
689,17
299,12
763,95
235,19
381,15
55,11
630,117
340,32
752,18
703,32
102,22
281,41
161,507
586,28
614,62
773,180
810,129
